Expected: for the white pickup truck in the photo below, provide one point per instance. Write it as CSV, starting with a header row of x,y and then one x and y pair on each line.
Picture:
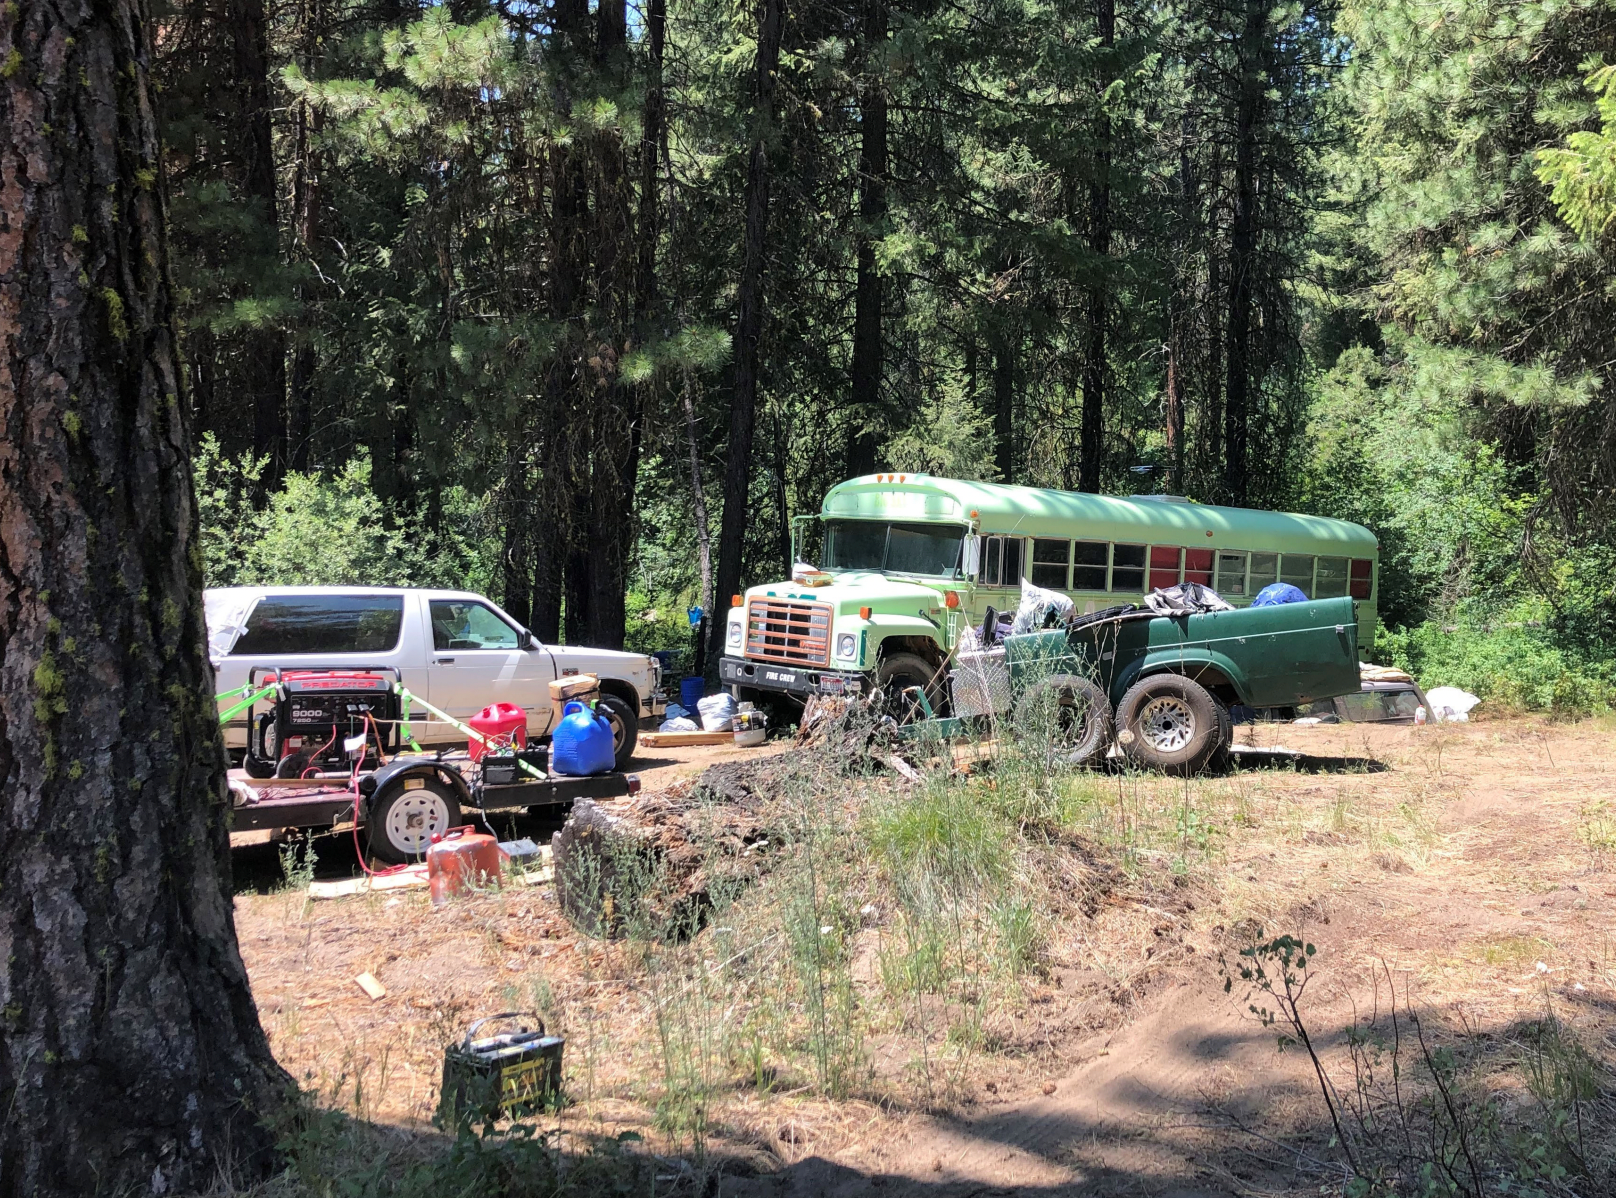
x,y
456,650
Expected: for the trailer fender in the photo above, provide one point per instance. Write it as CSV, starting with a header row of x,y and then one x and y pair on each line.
x,y
1206,666
391,777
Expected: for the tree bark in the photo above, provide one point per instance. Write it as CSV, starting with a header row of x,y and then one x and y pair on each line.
x,y
1091,443
1178,316
1004,408
749,315
132,1059
868,358
264,348
1242,254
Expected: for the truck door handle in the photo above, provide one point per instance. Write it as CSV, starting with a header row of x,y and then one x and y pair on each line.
x,y
444,661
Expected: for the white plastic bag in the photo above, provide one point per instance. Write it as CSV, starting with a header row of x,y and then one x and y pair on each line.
x,y
1036,604
679,723
1451,704
718,712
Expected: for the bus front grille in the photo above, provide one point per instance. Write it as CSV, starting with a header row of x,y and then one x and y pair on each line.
x,y
787,631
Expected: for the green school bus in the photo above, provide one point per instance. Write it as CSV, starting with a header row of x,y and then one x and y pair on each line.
x,y
906,561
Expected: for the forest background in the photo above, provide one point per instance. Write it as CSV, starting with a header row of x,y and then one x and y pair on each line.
x,y
575,303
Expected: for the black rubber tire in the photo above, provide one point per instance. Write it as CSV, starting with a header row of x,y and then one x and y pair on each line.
x,y
403,821
625,724
292,765
1078,732
259,760
1220,759
896,673
256,766
1171,724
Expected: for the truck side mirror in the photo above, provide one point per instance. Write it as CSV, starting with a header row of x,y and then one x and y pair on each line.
x,y
524,639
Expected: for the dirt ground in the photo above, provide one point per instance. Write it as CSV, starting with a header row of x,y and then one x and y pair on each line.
x,y
1472,867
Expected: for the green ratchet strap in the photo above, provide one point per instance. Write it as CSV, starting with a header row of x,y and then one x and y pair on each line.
x,y
470,732
226,716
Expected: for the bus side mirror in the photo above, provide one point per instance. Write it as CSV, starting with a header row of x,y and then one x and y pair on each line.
x,y
973,555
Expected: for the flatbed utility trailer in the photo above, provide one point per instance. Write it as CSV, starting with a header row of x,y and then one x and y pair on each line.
x,y
404,803
1158,686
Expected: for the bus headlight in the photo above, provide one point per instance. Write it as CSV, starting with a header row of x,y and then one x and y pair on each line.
x,y
733,637
847,645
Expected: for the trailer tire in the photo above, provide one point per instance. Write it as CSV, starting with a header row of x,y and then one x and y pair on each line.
x,y
1171,724
402,821
1068,715
625,728
900,671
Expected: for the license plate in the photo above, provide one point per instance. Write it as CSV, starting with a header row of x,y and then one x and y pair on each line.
x,y
831,686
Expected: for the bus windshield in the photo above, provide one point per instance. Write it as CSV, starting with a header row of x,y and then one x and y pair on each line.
x,y
932,550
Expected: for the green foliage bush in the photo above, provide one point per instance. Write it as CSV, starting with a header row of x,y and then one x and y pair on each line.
x,y
329,528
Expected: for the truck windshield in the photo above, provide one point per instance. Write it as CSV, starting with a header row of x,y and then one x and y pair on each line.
x,y
928,549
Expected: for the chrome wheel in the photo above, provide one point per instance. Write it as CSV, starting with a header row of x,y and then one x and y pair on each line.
x,y
1166,724
413,819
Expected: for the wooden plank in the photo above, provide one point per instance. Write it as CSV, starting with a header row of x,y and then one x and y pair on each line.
x,y
674,740
369,984
414,875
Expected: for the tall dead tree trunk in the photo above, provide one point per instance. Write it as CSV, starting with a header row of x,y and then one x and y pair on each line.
x,y
132,1059
870,294
1178,309
1004,407
1242,253
749,314
1091,445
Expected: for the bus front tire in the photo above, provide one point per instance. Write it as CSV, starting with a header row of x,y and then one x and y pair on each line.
x,y
1171,724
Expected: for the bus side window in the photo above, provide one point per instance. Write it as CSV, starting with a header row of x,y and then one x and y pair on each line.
x,y
1264,570
1198,566
1332,583
1012,561
1297,569
1165,563
1363,577
1231,574
1049,559
994,549
1091,559
1128,569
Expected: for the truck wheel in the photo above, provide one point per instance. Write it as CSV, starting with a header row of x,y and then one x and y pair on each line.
x,y
1220,759
403,822
1068,714
1172,724
625,727
900,671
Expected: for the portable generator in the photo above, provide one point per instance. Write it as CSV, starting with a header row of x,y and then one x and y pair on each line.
x,y
326,717
508,1075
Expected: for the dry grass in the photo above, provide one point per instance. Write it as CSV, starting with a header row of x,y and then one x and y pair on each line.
x,y
1457,857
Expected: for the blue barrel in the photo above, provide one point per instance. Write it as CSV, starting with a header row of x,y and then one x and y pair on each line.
x,y
690,692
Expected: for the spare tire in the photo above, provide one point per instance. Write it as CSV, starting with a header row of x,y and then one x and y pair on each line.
x,y
1069,715
1170,723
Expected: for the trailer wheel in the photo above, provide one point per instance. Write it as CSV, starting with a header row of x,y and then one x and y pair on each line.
x,y
1068,714
259,760
1171,724
625,727
403,821
900,671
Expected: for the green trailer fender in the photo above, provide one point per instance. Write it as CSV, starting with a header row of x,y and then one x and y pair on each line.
x,y
1194,663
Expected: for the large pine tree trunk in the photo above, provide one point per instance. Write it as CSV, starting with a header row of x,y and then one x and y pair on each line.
x,y
1242,253
870,290
749,317
1004,407
132,1059
1092,448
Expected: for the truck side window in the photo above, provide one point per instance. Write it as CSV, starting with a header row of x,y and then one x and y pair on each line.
x,y
1091,560
462,624
1049,563
322,624
1128,569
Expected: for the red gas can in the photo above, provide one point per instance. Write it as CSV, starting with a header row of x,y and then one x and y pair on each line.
x,y
461,860
503,723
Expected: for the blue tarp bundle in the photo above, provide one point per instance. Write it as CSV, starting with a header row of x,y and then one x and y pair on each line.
x,y
1276,593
